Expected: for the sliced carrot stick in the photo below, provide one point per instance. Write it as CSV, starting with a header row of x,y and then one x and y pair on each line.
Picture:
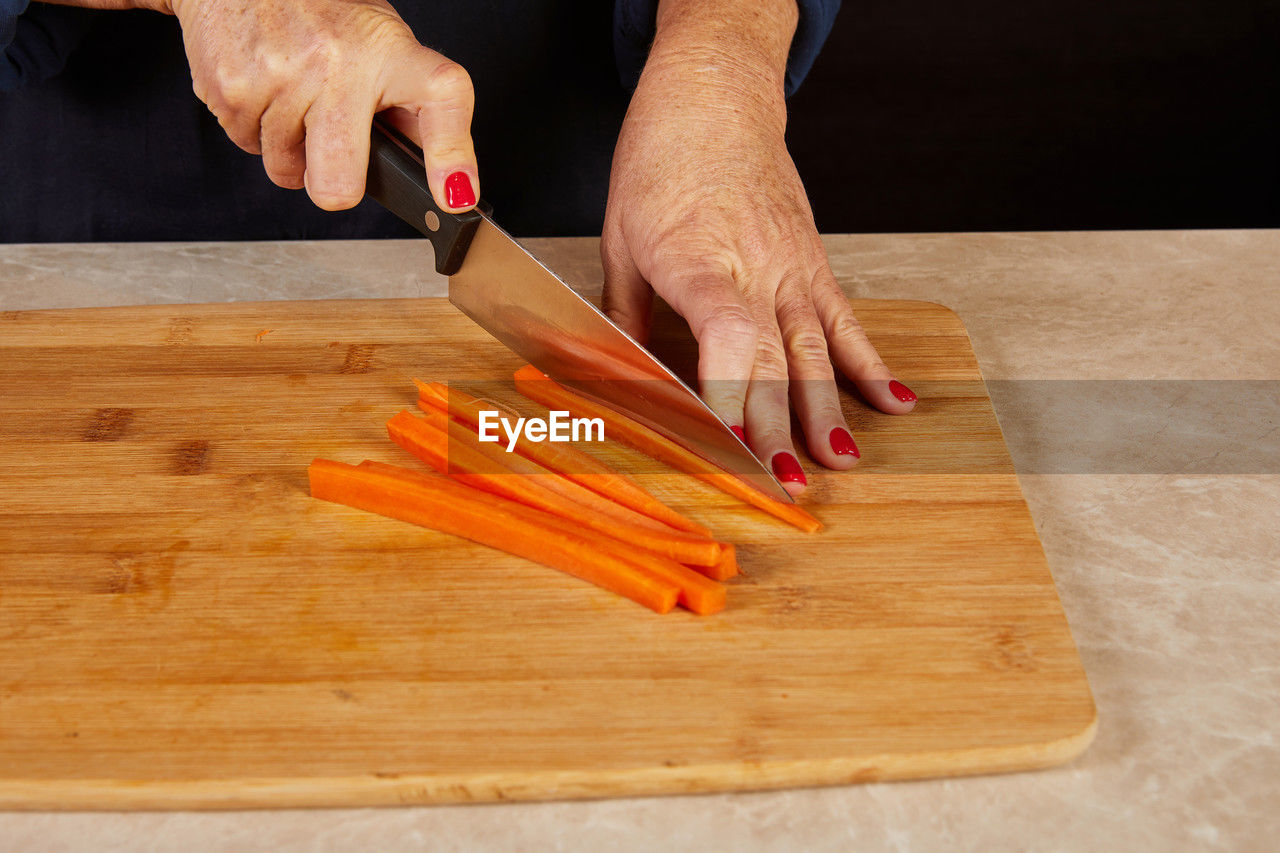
x,y
554,478
491,458
697,591
459,453
537,386
570,488
568,461
451,507
726,568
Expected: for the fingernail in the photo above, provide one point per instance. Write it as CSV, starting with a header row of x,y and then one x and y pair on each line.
x,y
842,442
902,392
458,191
787,469
740,433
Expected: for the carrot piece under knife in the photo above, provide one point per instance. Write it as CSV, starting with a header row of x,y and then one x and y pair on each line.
x,y
540,388
568,461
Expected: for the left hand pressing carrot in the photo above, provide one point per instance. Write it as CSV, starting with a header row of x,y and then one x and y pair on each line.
x,y
706,208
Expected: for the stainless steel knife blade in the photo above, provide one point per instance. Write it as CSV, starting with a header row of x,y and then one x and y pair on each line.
x,y
522,303
497,283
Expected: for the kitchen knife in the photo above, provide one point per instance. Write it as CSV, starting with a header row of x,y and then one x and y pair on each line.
x,y
514,297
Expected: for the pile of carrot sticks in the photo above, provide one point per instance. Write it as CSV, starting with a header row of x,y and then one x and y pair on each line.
x,y
551,502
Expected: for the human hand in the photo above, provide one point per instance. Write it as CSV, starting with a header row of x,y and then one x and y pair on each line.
x,y
299,81
706,208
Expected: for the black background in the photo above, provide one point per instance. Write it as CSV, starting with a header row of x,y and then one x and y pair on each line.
x,y
1026,114
918,116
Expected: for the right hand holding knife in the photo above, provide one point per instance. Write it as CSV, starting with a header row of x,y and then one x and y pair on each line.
x,y
299,81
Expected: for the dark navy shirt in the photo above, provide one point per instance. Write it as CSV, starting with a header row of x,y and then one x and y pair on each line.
x,y
101,137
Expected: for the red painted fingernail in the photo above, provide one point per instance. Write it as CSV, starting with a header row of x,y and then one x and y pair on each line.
x,y
787,469
843,443
740,433
902,392
458,191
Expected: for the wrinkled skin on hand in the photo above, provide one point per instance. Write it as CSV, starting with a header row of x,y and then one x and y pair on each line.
x,y
706,208
299,81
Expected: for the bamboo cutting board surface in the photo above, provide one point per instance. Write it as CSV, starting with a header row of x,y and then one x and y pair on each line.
x,y
181,626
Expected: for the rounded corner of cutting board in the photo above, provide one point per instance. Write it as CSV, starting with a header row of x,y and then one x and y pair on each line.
x,y
1074,744
1076,735
937,308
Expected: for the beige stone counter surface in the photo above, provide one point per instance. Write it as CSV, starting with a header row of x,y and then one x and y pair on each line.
x,y
1169,572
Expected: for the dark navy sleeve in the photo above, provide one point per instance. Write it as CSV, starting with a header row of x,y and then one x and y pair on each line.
x,y
634,22
9,12
35,41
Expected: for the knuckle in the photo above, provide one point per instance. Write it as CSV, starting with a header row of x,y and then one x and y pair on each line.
x,y
613,253
451,83
327,53
328,199
771,435
863,362
286,179
446,151
729,323
274,65
702,263
283,140
231,87
793,302
326,50
771,358
284,161
847,328
324,56
246,141
390,33
824,405
334,192
758,250
807,344
876,367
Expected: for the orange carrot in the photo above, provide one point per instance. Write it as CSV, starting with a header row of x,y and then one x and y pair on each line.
x,y
491,458
697,592
726,568
568,461
450,507
502,461
459,453
537,386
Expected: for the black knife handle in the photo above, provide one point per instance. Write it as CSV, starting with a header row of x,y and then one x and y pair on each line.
x,y
398,181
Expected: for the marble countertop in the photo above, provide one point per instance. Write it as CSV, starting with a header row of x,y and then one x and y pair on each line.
x,y
1169,576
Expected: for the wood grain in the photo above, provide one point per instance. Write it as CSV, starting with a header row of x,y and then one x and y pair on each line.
x,y
181,626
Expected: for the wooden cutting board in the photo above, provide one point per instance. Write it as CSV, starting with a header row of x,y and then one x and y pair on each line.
x,y
181,626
